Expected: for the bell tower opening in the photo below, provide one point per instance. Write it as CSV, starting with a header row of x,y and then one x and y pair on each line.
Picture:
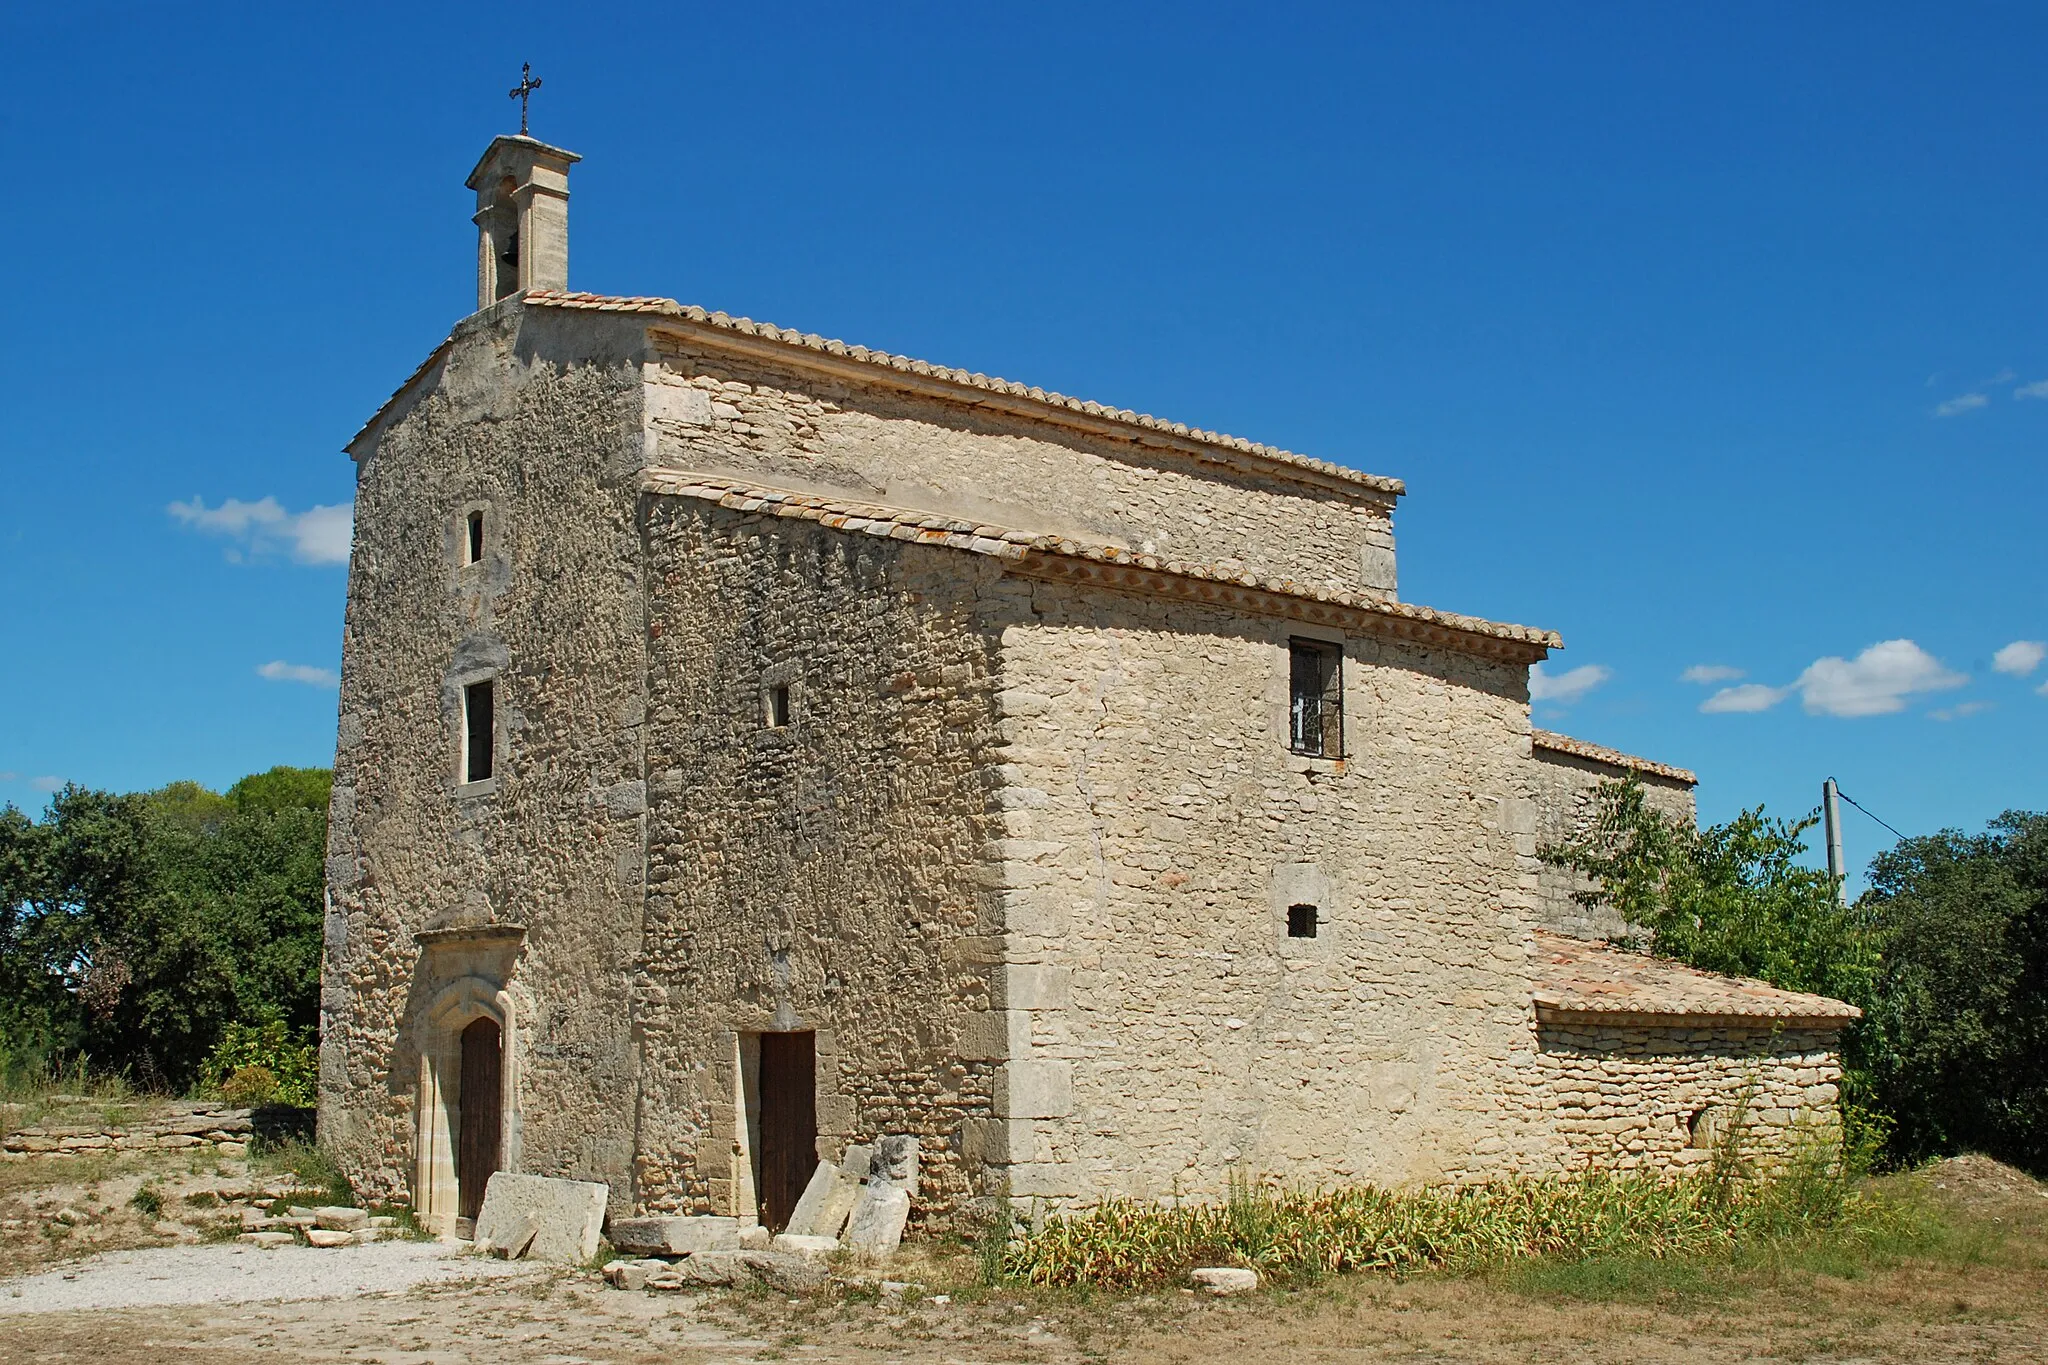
x,y
522,218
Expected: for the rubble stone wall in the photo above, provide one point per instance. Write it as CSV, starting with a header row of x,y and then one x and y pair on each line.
x,y
536,424
826,874
1640,1095
714,412
1166,1027
1564,786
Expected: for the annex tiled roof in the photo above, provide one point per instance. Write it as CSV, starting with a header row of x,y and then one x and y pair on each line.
x,y
1579,748
602,303
1592,982
1112,565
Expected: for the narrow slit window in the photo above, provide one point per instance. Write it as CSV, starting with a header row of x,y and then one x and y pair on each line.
x,y
473,547
477,730
775,707
1315,711
1301,921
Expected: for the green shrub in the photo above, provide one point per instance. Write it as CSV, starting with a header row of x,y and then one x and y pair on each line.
x,y
256,1064
148,1201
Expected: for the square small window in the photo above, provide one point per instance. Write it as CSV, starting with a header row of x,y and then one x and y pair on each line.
x,y
473,538
477,730
775,706
1315,698
1301,921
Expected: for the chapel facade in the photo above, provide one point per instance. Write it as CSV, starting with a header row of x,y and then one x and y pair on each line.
x,y
752,744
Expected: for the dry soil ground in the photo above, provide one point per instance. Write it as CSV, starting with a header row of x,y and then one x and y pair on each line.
x,y
1982,1295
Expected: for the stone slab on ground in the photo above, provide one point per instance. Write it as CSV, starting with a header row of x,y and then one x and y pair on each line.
x,y
341,1219
876,1227
328,1238
673,1236
233,1272
567,1215
633,1274
826,1204
895,1161
805,1246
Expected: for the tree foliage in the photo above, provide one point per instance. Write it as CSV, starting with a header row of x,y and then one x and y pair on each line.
x,y
1946,954
135,929
1962,997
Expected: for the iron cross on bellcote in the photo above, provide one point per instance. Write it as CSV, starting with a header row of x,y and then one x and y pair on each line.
x,y
527,85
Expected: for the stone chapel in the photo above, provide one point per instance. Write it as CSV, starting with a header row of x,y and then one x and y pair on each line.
x,y
752,744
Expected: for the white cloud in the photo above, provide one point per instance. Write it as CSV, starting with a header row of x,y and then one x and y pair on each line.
x,y
41,784
2037,389
2004,376
2021,657
1874,683
277,670
1748,697
318,535
1708,674
1961,403
1959,710
1568,686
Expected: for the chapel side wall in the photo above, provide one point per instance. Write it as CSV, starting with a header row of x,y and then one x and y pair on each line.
x,y
1167,1030
719,413
1565,786
1627,1095
828,875
545,448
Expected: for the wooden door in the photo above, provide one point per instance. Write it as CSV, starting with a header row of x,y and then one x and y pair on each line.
x,y
478,1122
789,1123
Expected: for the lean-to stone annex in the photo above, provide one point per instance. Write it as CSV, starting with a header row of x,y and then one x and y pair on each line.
x,y
753,745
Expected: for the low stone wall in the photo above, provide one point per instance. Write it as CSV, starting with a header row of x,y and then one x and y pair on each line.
x,y
1628,1095
185,1124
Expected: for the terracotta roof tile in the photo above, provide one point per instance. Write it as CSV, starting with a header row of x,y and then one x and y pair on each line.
x,y
1580,979
555,298
1021,547
1614,758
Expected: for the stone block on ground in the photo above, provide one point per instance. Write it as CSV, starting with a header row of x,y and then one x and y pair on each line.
x,y
876,1227
826,1204
567,1216
511,1238
714,1269
327,1237
1225,1279
895,1161
805,1246
672,1236
634,1274
755,1238
269,1241
785,1272
340,1219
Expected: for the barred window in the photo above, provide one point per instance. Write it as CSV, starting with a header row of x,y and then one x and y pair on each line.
x,y
1315,712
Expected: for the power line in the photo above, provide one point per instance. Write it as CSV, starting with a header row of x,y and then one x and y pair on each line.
x,y
1860,806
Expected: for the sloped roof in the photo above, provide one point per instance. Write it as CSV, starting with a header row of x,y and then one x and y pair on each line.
x,y
669,308
1615,758
1587,982
1113,565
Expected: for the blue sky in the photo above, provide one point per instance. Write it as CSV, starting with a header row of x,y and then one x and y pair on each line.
x,y
1703,339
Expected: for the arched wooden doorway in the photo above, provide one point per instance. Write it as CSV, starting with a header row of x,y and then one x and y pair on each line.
x,y
480,1126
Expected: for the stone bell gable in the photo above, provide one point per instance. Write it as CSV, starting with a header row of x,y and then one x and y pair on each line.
x,y
752,746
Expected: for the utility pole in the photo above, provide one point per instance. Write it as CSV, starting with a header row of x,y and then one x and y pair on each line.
x,y
1831,810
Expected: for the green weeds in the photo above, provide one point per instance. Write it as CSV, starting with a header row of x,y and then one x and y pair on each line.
x,y
1614,1227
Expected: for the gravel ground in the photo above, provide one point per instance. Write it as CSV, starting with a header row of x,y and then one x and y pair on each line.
x,y
234,1272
